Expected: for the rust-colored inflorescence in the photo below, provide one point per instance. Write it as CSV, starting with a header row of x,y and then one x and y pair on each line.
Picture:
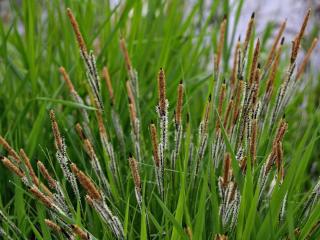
x,y
248,33
10,150
162,92
102,129
253,141
296,42
66,78
46,200
154,139
272,52
55,227
238,94
226,170
283,126
12,167
106,76
125,54
220,104
279,162
221,237
26,161
222,33
56,132
235,65
76,30
79,232
86,183
45,173
272,74
89,148
130,93
254,62
135,172
80,131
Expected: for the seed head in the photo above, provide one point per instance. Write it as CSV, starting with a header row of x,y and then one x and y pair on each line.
x,y
55,227
154,140
296,42
10,150
86,183
66,79
56,132
46,200
135,173
26,161
80,131
45,173
125,54
76,30
162,92
223,26
275,44
79,232
12,167
248,33
106,76
226,171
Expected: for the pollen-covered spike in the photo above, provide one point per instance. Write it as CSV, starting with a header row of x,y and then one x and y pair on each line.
x,y
26,161
80,131
56,132
228,113
298,38
130,93
272,74
45,173
47,201
237,101
66,78
253,141
254,62
133,117
101,127
220,44
83,235
106,76
10,150
283,126
162,92
179,104
76,30
248,34
13,168
220,104
279,161
226,171
135,172
154,140
55,227
125,54
86,183
235,64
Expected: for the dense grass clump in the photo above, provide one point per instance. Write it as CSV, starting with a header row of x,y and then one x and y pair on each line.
x,y
213,167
